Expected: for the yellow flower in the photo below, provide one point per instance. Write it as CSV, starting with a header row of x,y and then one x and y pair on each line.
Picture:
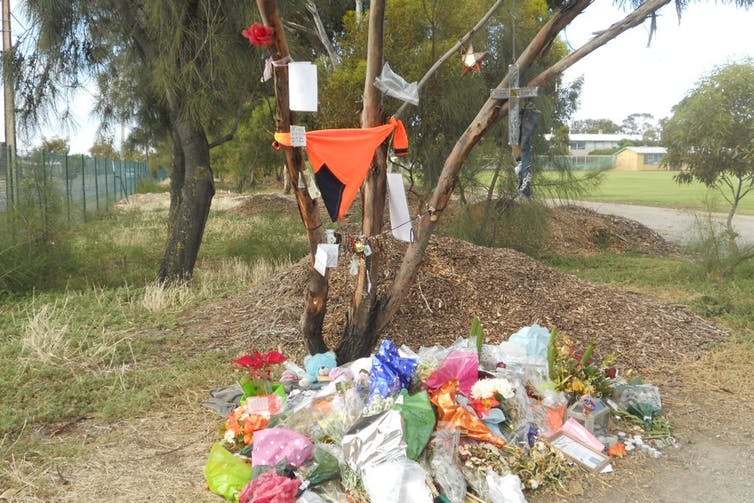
x,y
577,386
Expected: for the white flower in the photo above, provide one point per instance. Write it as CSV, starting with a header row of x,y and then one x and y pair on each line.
x,y
230,437
489,388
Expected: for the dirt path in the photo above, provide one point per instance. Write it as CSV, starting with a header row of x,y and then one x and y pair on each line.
x,y
678,226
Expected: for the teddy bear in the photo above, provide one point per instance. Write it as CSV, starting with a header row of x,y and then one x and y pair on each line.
x,y
318,368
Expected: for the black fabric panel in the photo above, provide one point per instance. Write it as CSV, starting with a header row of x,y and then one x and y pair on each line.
x,y
332,190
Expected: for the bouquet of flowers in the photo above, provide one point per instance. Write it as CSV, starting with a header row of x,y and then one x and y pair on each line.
x,y
487,393
576,372
262,398
258,373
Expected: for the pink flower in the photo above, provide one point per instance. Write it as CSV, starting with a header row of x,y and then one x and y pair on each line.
x,y
270,488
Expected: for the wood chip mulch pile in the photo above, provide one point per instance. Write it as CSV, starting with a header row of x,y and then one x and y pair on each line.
x,y
507,290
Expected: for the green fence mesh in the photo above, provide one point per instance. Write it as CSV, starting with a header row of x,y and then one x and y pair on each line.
x,y
75,185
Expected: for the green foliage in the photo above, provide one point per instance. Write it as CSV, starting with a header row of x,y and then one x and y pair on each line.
x,y
522,226
477,335
711,134
31,252
249,155
640,124
275,237
151,186
32,245
91,337
417,34
574,370
54,146
717,252
594,126
104,149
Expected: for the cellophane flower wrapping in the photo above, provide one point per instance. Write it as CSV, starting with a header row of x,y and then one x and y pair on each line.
x,y
461,365
374,440
273,445
271,488
452,415
390,372
226,474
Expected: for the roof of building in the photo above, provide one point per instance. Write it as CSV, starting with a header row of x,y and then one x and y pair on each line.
x,y
645,150
604,137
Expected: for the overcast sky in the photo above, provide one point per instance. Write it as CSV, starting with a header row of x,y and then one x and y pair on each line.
x,y
625,76
621,78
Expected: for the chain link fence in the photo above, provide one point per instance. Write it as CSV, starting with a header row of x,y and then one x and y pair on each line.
x,y
76,186
577,162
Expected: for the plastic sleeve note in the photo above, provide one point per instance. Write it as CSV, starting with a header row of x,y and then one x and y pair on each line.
x,y
302,86
400,220
326,256
298,136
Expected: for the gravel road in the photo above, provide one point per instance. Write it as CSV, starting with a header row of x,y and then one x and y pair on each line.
x,y
678,226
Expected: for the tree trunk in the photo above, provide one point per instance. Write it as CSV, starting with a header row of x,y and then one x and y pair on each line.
x,y
177,177
359,336
316,292
192,190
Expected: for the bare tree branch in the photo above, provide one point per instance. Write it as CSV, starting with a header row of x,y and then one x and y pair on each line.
x,y
321,33
452,51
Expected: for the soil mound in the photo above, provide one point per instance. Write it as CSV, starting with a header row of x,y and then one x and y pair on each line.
x,y
580,231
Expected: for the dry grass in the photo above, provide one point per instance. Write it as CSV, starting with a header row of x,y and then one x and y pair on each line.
x,y
49,339
46,335
159,298
213,280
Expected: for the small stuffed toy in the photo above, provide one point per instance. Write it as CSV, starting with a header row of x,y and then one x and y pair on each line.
x,y
318,368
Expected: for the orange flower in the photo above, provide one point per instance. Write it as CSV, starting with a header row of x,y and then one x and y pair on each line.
x,y
618,450
241,423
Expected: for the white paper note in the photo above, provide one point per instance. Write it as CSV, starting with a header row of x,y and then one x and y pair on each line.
x,y
332,251
400,220
320,260
302,86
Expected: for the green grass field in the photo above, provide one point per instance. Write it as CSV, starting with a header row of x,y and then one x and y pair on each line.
x,y
657,188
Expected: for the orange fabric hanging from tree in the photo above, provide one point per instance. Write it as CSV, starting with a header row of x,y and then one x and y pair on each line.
x,y
341,159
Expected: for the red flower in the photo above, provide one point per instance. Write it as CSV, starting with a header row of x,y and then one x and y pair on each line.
x,y
259,361
274,357
259,34
482,406
254,361
578,356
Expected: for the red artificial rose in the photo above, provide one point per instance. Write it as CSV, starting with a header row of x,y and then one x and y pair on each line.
x,y
259,34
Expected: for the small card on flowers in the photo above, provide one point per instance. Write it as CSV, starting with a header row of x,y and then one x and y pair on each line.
x,y
579,452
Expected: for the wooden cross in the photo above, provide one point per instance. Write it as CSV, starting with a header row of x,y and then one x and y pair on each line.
x,y
513,93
